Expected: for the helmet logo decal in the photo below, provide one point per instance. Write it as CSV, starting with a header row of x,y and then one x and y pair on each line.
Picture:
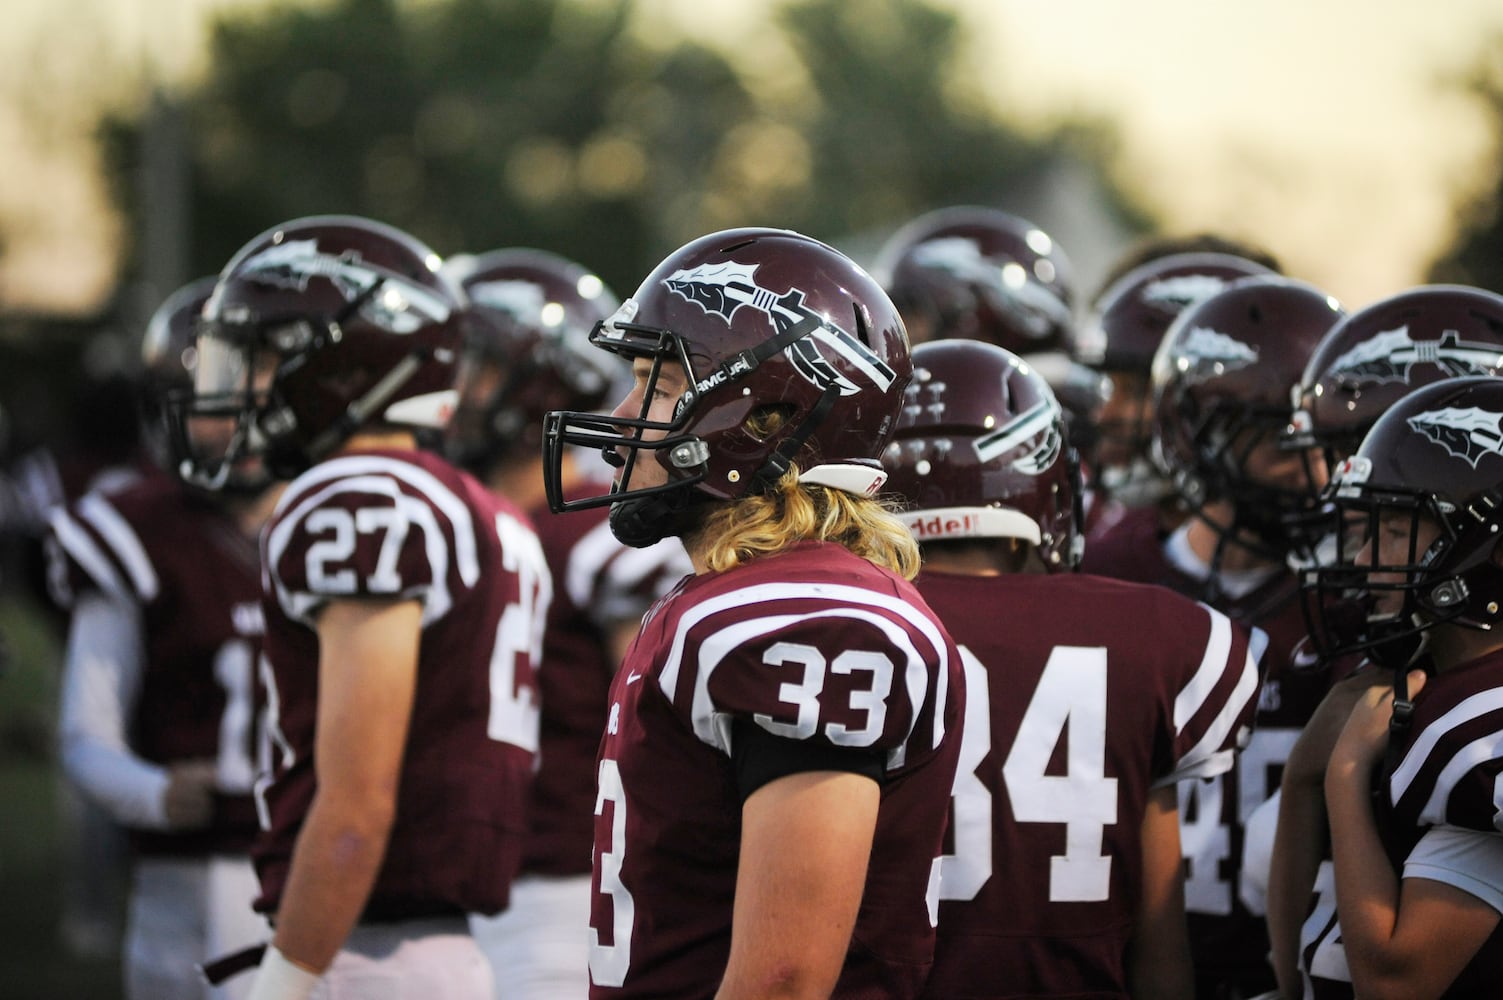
x,y
721,289
400,306
956,255
1177,293
1039,421
1390,355
515,298
1208,353
1467,433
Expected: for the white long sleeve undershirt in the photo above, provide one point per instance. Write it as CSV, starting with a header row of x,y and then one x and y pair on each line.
x,y
101,683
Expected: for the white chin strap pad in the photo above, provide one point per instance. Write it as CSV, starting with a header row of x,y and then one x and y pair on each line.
x,y
862,480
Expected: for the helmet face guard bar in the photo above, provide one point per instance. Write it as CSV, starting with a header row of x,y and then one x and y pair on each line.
x,y
565,428
612,435
225,390
1341,592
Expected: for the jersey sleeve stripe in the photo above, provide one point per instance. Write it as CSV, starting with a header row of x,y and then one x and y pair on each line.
x,y
1212,753
1478,751
1469,860
593,550
768,592
663,564
466,548
1212,667
122,539
1424,745
612,582
75,541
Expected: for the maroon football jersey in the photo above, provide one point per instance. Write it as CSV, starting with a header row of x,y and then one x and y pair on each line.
x,y
1230,942
813,644
1114,545
1446,774
1449,775
1083,694
598,584
193,574
407,525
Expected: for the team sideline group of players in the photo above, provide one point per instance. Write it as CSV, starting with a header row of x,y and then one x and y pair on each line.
x,y
921,633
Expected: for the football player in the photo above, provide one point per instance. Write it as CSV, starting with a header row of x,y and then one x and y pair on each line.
x,y
1222,379
1409,903
404,611
1366,363
783,732
160,699
527,352
1062,880
1128,493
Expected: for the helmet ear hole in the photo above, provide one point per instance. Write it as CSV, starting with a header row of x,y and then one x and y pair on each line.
x,y
861,324
766,421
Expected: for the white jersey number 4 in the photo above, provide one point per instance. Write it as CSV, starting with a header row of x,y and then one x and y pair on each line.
x,y
1069,701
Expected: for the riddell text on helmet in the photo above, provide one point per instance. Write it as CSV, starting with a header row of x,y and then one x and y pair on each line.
x,y
946,526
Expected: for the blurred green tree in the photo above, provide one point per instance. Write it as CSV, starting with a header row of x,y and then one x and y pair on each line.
x,y
568,125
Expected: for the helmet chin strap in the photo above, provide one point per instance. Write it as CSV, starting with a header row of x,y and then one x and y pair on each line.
x,y
782,457
1400,655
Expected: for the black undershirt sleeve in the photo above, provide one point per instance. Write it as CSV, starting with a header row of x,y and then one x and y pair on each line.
x,y
760,757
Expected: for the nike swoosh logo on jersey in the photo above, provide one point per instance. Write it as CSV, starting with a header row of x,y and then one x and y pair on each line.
x,y
633,677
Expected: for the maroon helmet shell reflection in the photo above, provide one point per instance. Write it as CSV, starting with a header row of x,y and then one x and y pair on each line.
x,y
980,274
1131,317
527,350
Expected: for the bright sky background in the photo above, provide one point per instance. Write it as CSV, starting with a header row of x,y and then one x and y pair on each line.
x,y
1319,127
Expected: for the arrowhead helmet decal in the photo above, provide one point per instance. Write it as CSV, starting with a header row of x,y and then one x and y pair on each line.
x,y
724,288
516,298
398,306
1210,353
1178,292
1468,433
1391,355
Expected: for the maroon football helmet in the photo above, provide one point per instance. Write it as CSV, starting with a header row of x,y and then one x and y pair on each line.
x,y
980,274
1130,318
1381,352
318,328
527,350
1222,380
1119,338
168,361
761,320
980,452
1435,453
